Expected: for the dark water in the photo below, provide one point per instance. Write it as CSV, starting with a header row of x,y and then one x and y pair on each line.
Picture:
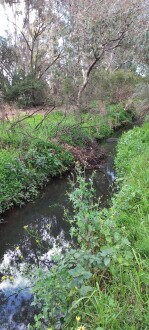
x,y
45,233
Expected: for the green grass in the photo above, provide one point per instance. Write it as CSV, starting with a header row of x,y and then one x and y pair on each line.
x,y
132,202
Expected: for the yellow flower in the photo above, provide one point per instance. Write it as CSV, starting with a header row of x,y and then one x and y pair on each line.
x,y
81,328
25,227
17,248
78,318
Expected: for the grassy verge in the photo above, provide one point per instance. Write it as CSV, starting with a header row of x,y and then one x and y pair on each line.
x,y
132,205
28,157
103,285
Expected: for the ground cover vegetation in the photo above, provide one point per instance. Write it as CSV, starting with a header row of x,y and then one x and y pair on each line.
x,y
102,281
26,164
31,150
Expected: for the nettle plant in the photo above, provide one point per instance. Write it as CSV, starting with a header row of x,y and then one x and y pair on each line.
x,y
98,246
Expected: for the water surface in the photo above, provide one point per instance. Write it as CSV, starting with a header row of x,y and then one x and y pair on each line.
x,y
48,232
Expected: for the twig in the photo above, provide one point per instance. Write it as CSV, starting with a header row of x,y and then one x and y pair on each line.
x,y
45,116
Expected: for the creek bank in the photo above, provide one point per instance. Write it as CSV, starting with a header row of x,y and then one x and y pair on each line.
x,y
29,173
24,176
92,157
30,157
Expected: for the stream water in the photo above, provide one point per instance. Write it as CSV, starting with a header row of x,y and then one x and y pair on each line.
x,y
43,219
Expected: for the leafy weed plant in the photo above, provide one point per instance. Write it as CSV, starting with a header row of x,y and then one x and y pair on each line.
x,y
102,282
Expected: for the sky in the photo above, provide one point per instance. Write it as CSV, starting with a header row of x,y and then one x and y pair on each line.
x,y
3,21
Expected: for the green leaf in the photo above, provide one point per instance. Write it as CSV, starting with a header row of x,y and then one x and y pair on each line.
x,y
85,289
80,271
107,261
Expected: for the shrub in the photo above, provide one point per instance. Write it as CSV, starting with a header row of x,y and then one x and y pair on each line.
x,y
72,280
141,99
27,91
113,87
23,173
76,136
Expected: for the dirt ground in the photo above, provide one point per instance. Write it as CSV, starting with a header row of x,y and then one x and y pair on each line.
x,y
8,112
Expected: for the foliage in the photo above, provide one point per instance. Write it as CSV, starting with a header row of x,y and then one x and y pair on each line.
x,y
25,167
113,86
103,282
74,275
102,34
75,135
8,59
34,158
26,90
141,98
94,125
132,166
118,116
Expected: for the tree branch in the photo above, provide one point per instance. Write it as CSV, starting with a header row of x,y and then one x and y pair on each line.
x,y
48,67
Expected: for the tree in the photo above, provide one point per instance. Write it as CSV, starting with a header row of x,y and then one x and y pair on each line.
x,y
8,59
97,28
36,42
64,41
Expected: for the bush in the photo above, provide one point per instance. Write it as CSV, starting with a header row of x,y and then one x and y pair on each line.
x,y
76,136
141,99
26,91
113,87
23,173
73,278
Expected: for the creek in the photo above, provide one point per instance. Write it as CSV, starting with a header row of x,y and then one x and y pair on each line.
x,y
32,234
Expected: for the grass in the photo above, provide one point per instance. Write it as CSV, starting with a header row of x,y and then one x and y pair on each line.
x,y
124,304
132,164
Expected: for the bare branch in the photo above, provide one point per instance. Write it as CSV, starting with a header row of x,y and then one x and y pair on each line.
x,y
48,67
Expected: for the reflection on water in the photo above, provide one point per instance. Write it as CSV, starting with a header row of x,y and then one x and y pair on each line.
x,y
15,296
30,236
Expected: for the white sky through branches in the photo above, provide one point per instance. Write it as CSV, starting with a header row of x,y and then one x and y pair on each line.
x,y
7,20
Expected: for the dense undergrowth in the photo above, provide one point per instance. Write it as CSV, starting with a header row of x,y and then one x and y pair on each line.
x,y
28,157
27,160
102,283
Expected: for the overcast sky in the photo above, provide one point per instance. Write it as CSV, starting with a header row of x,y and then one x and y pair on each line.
x,y
3,21
4,15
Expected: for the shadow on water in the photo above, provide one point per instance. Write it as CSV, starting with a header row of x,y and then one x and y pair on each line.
x,y
48,233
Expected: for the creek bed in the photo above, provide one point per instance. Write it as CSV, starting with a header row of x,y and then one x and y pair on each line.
x,y
44,217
